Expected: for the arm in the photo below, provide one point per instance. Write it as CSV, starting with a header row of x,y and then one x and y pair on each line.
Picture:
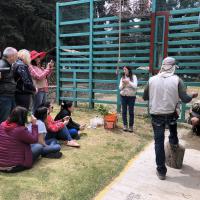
x,y
134,83
41,140
73,124
185,98
146,92
26,78
39,76
54,126
121,85
25,136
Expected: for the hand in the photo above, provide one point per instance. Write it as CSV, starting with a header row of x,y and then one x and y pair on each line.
x,y
66,118
82,127
194,95
195,121
125,81
66,122
51,64
33,120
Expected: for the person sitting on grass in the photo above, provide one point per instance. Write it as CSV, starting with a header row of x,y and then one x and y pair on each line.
x,y
50,147
66,109
57,129
194,118
15,143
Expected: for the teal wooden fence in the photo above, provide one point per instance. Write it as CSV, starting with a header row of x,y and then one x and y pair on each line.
x,y
88,48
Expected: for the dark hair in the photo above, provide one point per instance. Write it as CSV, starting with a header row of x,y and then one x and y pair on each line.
x,y
130,73
41,113
46,104
33,62
66,104
18,116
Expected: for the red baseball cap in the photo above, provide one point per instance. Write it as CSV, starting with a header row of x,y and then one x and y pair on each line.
x,y
34,54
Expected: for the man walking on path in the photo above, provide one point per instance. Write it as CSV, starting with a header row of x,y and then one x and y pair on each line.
x,y
163,92
7,83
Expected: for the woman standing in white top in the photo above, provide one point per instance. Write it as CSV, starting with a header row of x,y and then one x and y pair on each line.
x,y
128,89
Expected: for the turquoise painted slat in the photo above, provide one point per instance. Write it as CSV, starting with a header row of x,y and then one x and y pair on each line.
x,y
183,19
74,89
184,49
104,81
105,91
74,59
183,27
121,64
103,101
105,39
190,64
74,99
184,11
122,24
122,52
75,70
197,84
73,22
73,3
74,64
136,30
187,57
106,19
74,53
143,105
71,80
182,42
75,47
179,35
188,71
122,58
142,44
75,34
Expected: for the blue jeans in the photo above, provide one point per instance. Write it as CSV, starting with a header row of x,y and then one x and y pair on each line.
x,y
73,132
128,103
6,106
39,99
36,151
52,147
159,123
63,134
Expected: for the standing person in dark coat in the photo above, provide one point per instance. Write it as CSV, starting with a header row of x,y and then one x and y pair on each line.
x,y
25,87
66,110
7,83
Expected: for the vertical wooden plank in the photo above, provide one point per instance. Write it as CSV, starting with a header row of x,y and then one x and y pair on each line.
x,y
91,94
57,53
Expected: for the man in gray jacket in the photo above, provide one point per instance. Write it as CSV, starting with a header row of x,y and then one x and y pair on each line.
x,y
163,92
7,83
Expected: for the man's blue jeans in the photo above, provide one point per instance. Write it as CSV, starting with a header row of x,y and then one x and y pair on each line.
x,y
6,106
128,103
159,123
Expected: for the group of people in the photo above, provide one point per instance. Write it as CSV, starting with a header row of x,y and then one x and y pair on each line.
x,y
24,137
163,91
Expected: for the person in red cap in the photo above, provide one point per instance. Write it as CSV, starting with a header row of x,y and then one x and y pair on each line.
x,y
39,75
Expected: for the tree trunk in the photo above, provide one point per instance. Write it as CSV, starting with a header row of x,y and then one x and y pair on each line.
x,y
174,156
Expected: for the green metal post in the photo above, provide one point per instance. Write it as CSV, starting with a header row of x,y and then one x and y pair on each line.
x,y
57,52
91,94
74,87
154,2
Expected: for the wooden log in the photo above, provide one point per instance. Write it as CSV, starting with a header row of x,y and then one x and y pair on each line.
x,y
174,155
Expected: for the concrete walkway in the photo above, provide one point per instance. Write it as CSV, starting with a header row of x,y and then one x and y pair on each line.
x,y
139,181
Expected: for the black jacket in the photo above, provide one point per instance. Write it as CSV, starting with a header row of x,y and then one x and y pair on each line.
x,y
23,78
63,113
7,82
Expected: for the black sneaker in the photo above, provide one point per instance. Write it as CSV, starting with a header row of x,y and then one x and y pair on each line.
x,y
161,176
56,155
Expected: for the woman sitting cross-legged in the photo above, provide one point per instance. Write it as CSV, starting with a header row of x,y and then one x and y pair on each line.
x,y
57,129
66,110
16,153
50,147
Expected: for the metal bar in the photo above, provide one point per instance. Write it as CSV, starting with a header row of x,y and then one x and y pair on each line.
x,y
122,52
197,49
187,57
184,27
189,34
185,11
74,88
75,47
106,19
122,58
142,44
183,42
105,39
75,34
73,22
57,53
183,19
73,3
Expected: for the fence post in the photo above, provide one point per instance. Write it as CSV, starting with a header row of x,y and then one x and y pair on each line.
x,y
57,53
91,94
75,89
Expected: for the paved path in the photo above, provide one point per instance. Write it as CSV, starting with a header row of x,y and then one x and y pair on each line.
x,y
139,181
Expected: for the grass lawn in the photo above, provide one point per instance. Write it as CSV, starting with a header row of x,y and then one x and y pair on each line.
x,y
81,173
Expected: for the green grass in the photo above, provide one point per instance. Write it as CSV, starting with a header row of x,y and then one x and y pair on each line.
x,y
81,173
